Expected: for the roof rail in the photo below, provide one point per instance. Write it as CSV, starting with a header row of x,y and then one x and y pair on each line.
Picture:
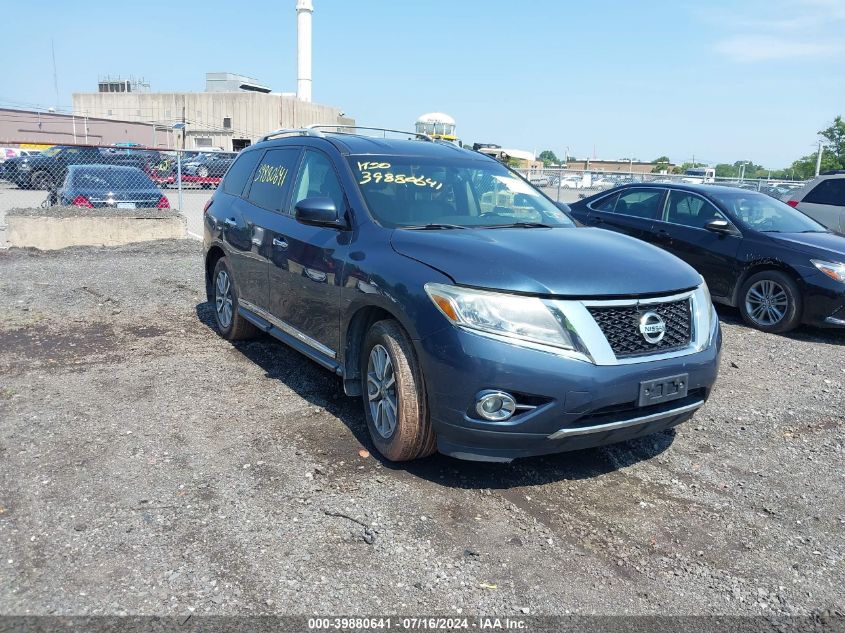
x,y
318,126
301,131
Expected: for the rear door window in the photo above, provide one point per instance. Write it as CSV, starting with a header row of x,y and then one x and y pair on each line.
x,y
271,180
830,191
639,203
240,172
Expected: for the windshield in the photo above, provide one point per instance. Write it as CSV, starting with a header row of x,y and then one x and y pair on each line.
x,y
695,172
409,191
763,213
111,179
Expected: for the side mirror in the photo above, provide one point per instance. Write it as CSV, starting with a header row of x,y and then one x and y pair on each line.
x,y
719,226
318,212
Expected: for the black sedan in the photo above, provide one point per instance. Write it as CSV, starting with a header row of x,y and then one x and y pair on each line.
x,y
778,266
108,186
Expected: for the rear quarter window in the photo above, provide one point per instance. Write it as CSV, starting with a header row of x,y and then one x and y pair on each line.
x,y
240,171
830,191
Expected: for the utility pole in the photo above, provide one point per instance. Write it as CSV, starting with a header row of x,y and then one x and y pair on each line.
x,y
819,159
183,123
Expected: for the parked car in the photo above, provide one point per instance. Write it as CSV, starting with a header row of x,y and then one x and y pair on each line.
x,y
538,180
601,183
95,186
49,168
572,182
467,310
778,266
823,199
208,165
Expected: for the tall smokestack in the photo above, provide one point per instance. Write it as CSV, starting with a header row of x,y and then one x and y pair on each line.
x,y
304,9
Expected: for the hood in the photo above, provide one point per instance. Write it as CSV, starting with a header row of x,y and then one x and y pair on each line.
x,y
827,245
573,262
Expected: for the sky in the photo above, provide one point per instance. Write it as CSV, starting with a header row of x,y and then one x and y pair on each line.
x,y
717,80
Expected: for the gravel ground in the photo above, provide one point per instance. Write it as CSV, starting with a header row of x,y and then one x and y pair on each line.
x,y
147,466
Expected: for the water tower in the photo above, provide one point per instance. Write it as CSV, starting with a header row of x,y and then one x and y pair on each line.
x,y
437,125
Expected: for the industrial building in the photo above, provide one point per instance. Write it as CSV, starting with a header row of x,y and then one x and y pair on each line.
x,y
36,129
233,111
617,166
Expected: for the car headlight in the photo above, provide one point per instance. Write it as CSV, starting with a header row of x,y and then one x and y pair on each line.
x,y
519,318
834,270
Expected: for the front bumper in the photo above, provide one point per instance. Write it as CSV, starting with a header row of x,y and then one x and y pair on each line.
x,y
824,301
575,404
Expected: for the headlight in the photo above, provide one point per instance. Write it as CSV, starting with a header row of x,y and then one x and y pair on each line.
x,y
705,316
834,270
523,319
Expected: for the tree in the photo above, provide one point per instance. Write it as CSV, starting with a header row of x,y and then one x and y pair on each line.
x,y
661,164
548,157
835,135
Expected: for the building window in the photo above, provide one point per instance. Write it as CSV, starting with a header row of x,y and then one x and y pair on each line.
x,y
203,141
109,113
227,123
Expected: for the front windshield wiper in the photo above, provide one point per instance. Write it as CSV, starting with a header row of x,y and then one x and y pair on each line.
x,y
519,225
814,231
432,226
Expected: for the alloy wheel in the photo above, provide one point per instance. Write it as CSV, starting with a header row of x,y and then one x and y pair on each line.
x,y
223,299
381,391
766,302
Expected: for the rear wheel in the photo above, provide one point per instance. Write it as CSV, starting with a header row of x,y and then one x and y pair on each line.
x,y
394,394
230,324
202,172
771,302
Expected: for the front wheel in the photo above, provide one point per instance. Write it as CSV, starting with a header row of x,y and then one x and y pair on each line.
x,y
771,302
230,324
41,180
394,394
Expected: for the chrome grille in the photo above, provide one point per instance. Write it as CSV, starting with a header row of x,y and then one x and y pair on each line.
x,y
621,327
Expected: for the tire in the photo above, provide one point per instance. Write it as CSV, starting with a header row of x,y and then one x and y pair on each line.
x,y
231,325
771,302
202,172
41,180
410,435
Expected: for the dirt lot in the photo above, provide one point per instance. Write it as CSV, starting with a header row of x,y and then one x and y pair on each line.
x,y
148,466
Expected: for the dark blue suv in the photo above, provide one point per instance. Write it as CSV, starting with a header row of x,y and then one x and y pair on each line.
x,y
468,311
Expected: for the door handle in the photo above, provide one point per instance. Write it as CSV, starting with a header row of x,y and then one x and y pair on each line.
x,y
230,223
664,236
281,243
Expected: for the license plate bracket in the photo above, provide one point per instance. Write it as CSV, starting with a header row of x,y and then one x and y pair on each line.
x,y
663,389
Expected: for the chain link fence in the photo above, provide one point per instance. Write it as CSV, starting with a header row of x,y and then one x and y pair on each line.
x,y
141,177
92,176
568,185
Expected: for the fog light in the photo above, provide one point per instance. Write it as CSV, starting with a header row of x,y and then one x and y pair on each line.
x,y
496,406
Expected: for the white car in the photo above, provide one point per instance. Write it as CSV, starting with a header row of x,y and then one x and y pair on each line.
x,y
571,182
823,199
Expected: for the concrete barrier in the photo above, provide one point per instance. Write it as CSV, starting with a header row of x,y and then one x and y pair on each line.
x,y
60,227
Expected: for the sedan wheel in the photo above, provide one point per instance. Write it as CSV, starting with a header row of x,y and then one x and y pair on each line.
x,y
771,301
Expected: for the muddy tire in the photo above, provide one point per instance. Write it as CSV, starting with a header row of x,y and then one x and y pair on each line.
x,y
394,394
771,302
224,297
